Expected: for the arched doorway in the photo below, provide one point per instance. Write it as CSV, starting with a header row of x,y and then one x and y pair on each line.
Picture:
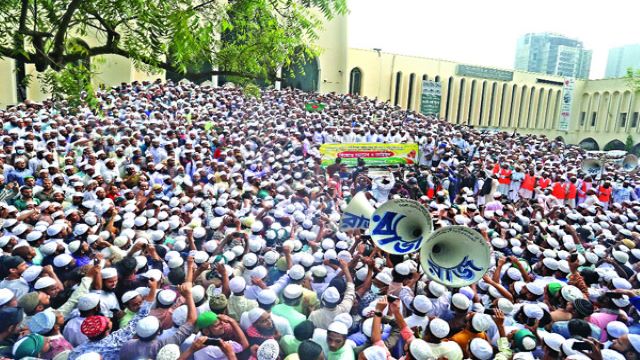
x,y
614,145
589,144
355,81
303,75
560,138
636,149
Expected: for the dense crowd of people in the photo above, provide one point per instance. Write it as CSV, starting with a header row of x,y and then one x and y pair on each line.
x,y
176,221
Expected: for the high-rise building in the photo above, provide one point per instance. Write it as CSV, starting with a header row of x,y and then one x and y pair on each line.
x,y
553,54
622,58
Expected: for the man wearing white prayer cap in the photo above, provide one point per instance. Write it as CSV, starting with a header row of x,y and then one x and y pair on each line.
x,y
108,300
237,303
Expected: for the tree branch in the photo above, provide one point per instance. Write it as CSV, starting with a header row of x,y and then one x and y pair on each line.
x,y
197,7
58,40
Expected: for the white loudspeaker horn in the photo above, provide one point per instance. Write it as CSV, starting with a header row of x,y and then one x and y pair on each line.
x,y
630,163
358,213
592,167
455,256
400,226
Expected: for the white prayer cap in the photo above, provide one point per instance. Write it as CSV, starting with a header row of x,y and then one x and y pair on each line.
x,y
147,326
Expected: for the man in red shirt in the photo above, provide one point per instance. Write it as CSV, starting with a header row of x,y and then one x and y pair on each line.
x,y
504,179
558,190
528,184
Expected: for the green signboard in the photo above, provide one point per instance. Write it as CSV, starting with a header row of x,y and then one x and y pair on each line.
x,y
430,99
484,73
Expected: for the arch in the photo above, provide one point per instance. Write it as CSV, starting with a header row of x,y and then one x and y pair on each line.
x,y
398,86
492,102
437,78
503,104
514,93
355,81
560,138
448,102
472,98
412,83
589,144
523,94
530,114
547,111
614,145
557,105
482,95
603,109
593,108
584,111
460,100
636,149
539,112
425,77
303,76
625,109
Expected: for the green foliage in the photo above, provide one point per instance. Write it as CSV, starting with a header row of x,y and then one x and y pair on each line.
x,y
244,38
252,90
72,83
628,144
633,79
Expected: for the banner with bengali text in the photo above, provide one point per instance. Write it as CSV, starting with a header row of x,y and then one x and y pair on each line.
x,y
374,154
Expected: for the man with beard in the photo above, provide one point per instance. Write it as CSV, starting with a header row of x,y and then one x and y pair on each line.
x,y
20,172
98,329
11,269
261,329
108,299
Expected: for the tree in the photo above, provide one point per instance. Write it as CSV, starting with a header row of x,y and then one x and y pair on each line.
x,y
628,144
244,38
633,78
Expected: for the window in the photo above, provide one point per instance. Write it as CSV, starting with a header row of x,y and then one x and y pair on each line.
x,y
412,81
634,119
513,103
355,81
396,99
460,101
502,103
449,91
583,118
623,120
471,102
482,94
594,116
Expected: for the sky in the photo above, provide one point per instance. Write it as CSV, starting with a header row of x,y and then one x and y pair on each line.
x,y
485,32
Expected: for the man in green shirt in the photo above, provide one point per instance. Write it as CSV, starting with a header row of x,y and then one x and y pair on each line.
x,y
26,198
290,343
132,301
292,296
337,342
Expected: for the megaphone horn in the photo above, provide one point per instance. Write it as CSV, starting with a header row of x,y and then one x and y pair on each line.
x,y
630,163
455,256
591,166
399,226
358,213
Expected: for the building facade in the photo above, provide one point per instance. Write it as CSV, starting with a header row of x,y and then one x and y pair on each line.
x,y
602,113
622,58
552,54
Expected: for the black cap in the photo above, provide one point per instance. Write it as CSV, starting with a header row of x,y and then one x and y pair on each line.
x,y
10,316
9,262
